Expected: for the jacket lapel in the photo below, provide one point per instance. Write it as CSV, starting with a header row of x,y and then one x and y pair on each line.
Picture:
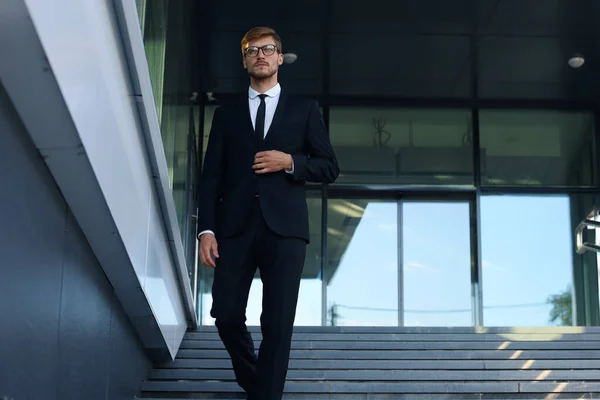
x,y
246,120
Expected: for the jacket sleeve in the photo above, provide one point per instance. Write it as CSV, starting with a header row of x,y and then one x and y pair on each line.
x,y
210,185
320,163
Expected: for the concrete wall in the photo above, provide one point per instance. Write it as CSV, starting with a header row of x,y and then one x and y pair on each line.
x,y
64,334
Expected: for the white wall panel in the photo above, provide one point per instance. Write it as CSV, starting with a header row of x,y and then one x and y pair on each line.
x,y
70,81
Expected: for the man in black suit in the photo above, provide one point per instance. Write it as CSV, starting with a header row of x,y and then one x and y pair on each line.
x,y
252,200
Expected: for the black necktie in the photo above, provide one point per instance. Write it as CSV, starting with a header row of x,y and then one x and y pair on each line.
x,y
259,129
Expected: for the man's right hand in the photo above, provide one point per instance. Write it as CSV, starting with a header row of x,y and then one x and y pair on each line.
x,y
208,248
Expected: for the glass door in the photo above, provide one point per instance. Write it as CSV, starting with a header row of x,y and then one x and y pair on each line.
x,y
436,263
361,272
398,261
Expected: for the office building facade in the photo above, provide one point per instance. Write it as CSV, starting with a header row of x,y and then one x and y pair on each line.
x,y
466,134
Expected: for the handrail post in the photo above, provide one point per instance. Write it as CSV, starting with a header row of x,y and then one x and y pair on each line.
x,y
591,221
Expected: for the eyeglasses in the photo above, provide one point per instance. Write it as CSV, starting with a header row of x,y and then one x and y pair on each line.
x,y
267,50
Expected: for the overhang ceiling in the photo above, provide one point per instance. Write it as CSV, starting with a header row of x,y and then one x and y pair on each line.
x,y
487,49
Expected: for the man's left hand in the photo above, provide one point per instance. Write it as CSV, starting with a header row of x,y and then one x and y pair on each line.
x,y
271,161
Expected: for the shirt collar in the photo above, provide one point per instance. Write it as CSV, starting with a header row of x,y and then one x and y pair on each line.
x,y
273,92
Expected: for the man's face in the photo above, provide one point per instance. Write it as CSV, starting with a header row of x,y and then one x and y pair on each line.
x,y
259,65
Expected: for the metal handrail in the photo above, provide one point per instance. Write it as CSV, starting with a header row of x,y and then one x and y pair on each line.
x,y
590,221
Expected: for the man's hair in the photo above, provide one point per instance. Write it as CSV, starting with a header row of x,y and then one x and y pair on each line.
x,y
258,33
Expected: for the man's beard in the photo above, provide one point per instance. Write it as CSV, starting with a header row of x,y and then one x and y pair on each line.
x,y
259,75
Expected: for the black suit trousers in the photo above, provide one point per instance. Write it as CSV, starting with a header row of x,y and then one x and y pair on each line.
x,y
280,261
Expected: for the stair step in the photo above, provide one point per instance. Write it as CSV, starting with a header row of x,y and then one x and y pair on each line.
x,y
418,337
402,364
384,387
423,329
388,375
398,396
401,345
416,354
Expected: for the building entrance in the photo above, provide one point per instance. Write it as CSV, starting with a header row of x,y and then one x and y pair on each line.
x,y
399,261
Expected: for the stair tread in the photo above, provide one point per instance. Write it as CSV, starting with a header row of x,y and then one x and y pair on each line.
x,y
411,345
424,329
414,354
399,396
386,387
388,375
400,364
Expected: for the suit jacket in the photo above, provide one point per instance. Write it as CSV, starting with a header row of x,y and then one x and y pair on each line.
x,y
228,184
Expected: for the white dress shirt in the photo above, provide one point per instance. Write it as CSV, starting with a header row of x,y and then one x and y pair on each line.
x,y
271,102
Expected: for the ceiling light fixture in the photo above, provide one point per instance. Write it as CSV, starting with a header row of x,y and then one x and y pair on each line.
x,y
290,58
576,60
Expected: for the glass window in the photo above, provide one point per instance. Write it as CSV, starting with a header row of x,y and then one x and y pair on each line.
x,y
205,274
362,269
537,148
436,264
206,277
154,28
209,113
310,307
585,265
177,121
141,10
528,259
382,253
166,27
403,146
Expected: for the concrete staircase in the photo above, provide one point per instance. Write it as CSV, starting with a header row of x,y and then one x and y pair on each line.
x,y
365,363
